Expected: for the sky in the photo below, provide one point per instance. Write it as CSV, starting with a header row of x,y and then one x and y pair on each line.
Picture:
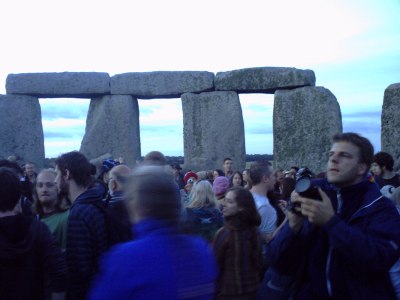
x,y
352,46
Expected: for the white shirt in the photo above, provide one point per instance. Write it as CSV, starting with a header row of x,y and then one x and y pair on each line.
x,y
267,213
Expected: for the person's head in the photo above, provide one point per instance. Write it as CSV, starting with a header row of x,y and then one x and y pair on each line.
x,y
201,175
29,169
261,173
279,175
176,169
10,189
236,179
202,195
189,179
350,158
287,187
117,178
152,193
155,158
45,194
239,202
220,186
228,164
12,165
218,172
382,162
106,167
72,166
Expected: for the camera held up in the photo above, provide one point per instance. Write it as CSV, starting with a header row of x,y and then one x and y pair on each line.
x,y
305,187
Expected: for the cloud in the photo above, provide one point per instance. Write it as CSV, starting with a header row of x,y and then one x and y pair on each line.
x,y
64,108
57,135
364,115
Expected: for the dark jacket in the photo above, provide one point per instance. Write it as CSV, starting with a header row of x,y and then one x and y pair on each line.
x,y
28,252
350,256
203,221
86,242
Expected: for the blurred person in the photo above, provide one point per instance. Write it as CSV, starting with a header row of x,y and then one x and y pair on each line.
x,y
220,186
236,179
237,246
202,217
385,177
30,172
155,158
87,237
343,246
117,185
26,198
201,175
51,207
246,179
228,167
279,175
217,173
395,270
28,251
263,180
160,263
106,167
178,176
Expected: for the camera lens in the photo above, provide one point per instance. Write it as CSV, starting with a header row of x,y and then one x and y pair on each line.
x,y
303,184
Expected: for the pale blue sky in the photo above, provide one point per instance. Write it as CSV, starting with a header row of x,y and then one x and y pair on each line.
x,y
353,47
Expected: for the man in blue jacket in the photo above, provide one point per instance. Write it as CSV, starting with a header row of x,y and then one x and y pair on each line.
x,y
160,263
343,246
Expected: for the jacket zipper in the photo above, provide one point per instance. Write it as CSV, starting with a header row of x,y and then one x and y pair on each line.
x,y
328,261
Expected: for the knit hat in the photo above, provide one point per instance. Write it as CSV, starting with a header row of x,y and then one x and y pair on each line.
x,y
188,175
220,185
108,164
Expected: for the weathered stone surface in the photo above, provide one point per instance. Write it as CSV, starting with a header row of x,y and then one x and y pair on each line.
x,y
21,131
304,121
112,126
390,134
163,84
263,79
212,130
56,85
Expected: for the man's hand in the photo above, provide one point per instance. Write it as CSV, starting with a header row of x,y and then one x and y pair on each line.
x,y
317,212
295,219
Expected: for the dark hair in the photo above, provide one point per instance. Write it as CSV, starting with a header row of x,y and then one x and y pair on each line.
x,y
220,172
10,189
384,159
363,144
233,175
227,158
12,165
244,199
288,185
62,203
295,168
155,192
258,170
78,166
155,157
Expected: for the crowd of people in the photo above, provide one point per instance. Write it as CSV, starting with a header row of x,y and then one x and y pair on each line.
x,y
154,232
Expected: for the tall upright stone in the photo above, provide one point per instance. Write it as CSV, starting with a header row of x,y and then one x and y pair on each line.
x,y
212,130
112,126
390,134
21,131
304,121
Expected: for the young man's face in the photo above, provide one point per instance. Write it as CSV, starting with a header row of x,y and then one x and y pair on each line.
x,y
29,169
228,165
376,169
344,168
46,189
62,184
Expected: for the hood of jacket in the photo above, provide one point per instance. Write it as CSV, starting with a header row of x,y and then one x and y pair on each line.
x,y
16,237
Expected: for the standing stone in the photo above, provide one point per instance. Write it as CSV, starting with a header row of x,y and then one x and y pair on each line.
x,y
161,84
304,121
212,130
58,85
263,79
21,131
390,134
112,126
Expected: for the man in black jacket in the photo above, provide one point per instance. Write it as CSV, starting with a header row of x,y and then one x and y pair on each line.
x,y
86,232
28,251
